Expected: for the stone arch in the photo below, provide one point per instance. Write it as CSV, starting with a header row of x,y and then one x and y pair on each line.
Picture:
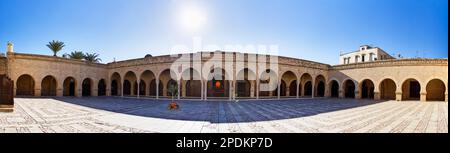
x,y
101,87
25,85
129,83
411,89
86,87
116,84
334,88
245,83
319,86
290,79
48,86
192,82
268,83
69,86
387,89
306,82
435,90
367,89
146,78
349,88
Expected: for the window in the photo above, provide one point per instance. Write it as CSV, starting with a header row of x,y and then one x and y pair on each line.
x,y
363,58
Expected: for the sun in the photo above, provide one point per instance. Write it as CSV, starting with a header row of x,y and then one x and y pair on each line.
x,y
192,18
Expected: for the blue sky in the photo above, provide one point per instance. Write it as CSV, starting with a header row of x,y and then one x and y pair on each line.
x,y
308,29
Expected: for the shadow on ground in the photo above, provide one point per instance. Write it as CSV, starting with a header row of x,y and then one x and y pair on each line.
x,y
219,111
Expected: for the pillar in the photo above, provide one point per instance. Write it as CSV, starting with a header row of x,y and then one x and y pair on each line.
x,y
298,88
398,96
377,95
357,95
278,89
423,96
157,87
59,91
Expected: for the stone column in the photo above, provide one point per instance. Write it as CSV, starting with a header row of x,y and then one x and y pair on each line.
x,y
37,92
423,96
298,88
341,93
357,95
278,89
59,92
179,89
230,90
377,95
183,88
313,83
157,87
205,92
398,96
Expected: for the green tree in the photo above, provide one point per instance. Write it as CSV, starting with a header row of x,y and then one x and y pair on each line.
x,y
92,57
76,55
173,90
55,46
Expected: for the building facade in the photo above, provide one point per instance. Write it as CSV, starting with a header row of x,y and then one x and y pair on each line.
x,y
365,53
226,75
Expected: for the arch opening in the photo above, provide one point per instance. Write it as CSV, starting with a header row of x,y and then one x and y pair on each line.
x,y
48,86
349,88
388,89
411,90
435,90
25,85
101,87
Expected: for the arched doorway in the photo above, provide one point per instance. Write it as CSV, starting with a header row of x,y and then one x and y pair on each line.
x,y
320,86
48,86
86,87
152,88
435,90
349,88
145,87
25,85
69,86
142,88
291,78
268,85
387,89
101,87
116,84
307,88
130,84
367,89
217,85
126,88
191,78
283,88
293,88
411,90
334,89
245,83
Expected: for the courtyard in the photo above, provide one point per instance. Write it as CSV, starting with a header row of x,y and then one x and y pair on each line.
x,y
131,115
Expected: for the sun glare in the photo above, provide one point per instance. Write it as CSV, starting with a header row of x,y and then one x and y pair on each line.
x,y
192,18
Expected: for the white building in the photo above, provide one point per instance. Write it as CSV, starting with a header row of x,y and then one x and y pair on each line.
x,y
365,53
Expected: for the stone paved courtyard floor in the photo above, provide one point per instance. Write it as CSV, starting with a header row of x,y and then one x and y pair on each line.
x,y
123,115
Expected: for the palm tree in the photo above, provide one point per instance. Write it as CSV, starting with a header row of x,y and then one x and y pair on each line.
x,y
92,57
76,55
55,46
